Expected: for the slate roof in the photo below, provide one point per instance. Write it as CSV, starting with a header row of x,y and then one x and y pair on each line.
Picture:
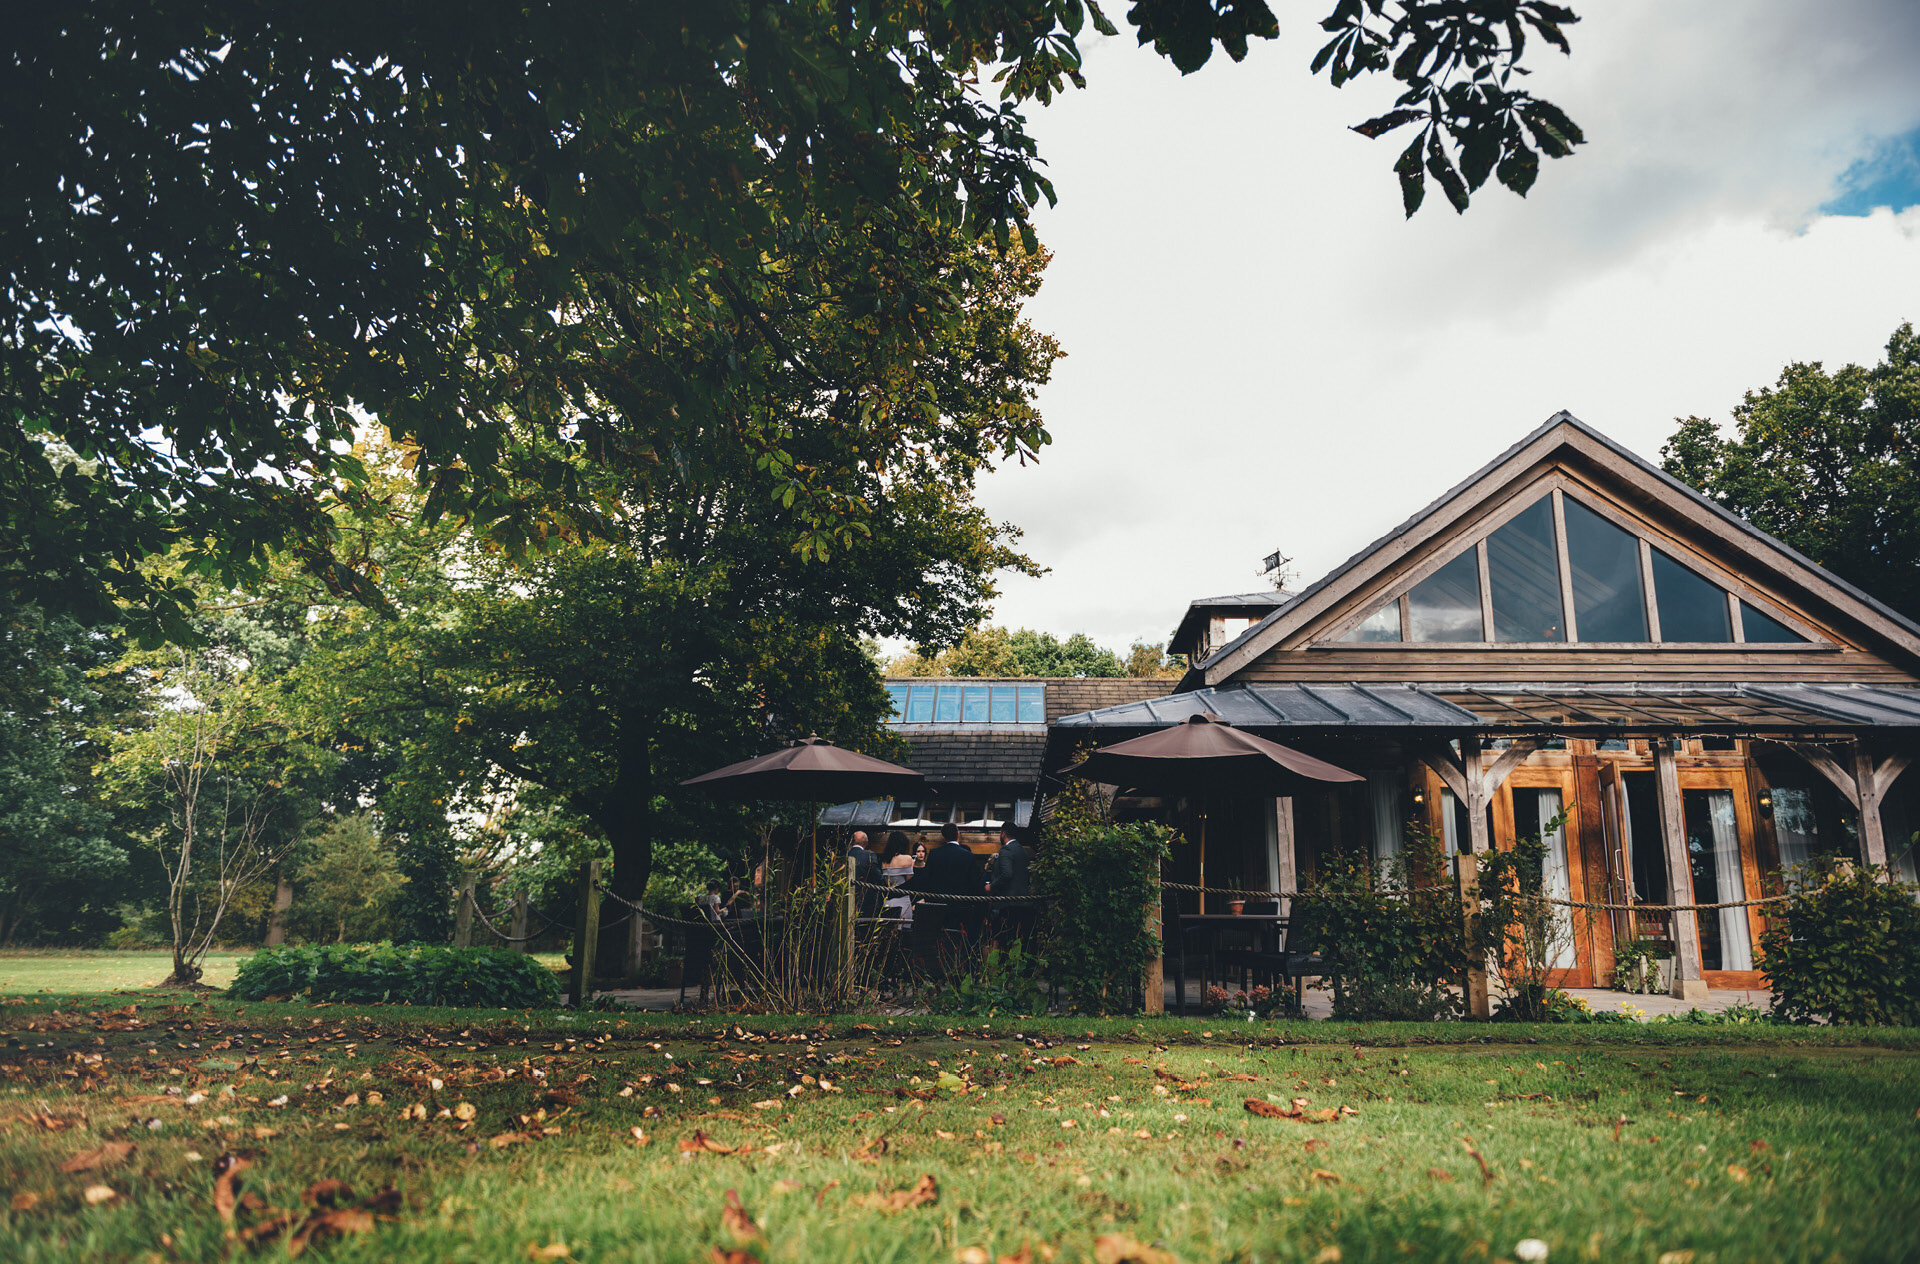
x,y
1717,706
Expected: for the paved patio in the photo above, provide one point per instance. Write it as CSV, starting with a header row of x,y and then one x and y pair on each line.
x,y
1320,1003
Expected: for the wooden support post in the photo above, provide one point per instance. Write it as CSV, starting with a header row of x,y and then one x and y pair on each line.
x,y
1466,877
277,923
1479,836
852,909
1688,984
519,927
463,915
1286,868
586,936
1872,831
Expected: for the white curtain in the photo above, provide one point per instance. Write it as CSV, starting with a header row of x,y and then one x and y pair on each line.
x,y
1383,796
1558,884
1736,948
1449,829
1794,827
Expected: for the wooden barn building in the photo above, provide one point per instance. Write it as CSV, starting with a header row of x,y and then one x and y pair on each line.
x,y
1570,629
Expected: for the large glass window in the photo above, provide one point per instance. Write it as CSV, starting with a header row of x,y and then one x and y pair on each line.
x,y
1382,625
899,695
920,705
1004,708
1523,575
957,703
1691,608
1445,606
1609,602
1764,629
1033,704
946,705
973,710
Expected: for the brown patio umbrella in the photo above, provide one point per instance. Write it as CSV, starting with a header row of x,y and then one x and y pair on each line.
x,y
814,770
1203,757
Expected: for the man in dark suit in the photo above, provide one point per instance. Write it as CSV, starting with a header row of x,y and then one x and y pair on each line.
x,y
866,868
1008,876
952,869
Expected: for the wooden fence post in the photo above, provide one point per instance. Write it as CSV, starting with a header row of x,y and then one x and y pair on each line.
x,y
586,935
519,927
463,915
852,908
1466,876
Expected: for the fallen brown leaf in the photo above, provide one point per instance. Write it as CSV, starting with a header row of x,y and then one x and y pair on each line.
x,y
1118,1248
1439,1174
25,1202
97,1194
323,1224
506,1139
925,1192
328,1193
701,1143
105,1156
872,1149
1321,1174
1267,1110
1737,1172
735,1220
227,1170
1315,1143
551,1251
640,1136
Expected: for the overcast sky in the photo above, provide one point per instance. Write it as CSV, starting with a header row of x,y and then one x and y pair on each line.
x,y
1263,354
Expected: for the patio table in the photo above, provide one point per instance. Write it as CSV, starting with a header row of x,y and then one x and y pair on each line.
x,y
1266,928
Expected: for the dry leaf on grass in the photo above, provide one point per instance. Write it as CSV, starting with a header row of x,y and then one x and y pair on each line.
x,y
227,1170
735,1220
1321,1174
464,1111
323,1224
1118,1248
1267,1110
639,1135
97,1194
506,1139
872,1149
551,1251
328,1193
106,1156
924,1193
25,1202
701,1143
1737,1172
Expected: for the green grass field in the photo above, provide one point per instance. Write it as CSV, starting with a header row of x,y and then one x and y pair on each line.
x,y
66,972
1067,1139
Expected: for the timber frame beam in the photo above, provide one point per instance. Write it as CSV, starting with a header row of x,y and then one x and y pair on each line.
x,y
1864,780
1472,782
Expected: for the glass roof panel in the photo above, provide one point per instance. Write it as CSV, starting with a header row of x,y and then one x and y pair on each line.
x,y
1609,603
1445,606
1764,629
1692,609
1523,572
1382,625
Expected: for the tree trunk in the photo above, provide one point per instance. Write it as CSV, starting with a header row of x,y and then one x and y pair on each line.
x,y
627,817
282,901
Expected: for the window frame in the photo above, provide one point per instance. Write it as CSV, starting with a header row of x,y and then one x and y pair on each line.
x,y
1557,487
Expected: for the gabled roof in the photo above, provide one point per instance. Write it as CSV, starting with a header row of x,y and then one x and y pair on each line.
x,y
1253,605
1563,434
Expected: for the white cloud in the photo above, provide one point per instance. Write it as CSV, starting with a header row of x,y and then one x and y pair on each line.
x,y
1264,355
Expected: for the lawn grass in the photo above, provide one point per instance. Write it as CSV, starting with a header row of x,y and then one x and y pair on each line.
x,y
1608,1142
75,971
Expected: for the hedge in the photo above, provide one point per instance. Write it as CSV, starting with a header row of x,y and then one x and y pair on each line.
x,y
381,973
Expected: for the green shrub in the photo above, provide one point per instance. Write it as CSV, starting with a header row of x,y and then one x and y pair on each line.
x,y
1391,949
1846,949
381,973
1104,881
998,982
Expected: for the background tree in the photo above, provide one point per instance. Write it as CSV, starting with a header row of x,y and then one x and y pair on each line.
x,y
1827,462
347,881
994,651
64,864
615,224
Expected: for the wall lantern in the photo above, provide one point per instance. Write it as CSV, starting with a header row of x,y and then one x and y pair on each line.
x,y
1766,804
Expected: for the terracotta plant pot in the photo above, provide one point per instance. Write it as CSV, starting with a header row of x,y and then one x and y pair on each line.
x,y
1236,907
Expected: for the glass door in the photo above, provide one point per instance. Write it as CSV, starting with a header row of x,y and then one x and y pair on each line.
x,y
1719,874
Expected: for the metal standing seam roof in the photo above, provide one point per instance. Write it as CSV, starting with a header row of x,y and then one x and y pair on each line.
x,y
1738,706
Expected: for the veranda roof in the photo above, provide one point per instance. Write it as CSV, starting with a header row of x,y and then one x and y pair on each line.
x,y
1613,709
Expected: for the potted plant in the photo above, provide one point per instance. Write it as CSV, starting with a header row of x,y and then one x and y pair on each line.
x,y
1236,902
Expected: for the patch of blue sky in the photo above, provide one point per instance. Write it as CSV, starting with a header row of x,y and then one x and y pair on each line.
x,y
1889,177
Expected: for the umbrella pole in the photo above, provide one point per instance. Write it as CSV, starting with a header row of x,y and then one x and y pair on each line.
x,y
1203,860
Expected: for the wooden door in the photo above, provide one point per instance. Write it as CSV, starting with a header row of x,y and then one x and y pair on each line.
x,y
1729,783
1566,878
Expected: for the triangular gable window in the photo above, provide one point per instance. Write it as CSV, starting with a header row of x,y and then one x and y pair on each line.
x,y
1559,571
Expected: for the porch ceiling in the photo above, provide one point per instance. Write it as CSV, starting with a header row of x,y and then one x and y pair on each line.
x,y
1727,707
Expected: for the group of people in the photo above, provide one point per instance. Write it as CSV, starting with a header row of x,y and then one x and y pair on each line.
x,y
947,870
